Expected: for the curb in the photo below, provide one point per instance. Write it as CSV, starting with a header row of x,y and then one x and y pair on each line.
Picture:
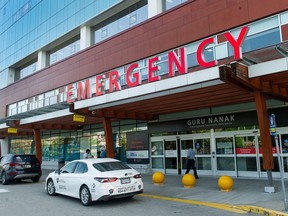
x,y
227,207
261,210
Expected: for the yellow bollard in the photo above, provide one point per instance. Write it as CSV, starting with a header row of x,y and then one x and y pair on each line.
x,y
188,180
158,178
225,183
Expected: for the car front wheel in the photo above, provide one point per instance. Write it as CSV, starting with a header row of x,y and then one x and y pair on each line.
x,y
4,179
85,196
51,187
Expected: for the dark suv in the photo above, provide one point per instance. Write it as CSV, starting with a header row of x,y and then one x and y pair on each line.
x,y
17,167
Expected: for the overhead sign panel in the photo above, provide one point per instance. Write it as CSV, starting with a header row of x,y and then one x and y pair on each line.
x,y
12,130
78,118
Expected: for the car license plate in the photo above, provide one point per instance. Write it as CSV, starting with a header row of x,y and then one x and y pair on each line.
x,y
125,180
126,189
27,166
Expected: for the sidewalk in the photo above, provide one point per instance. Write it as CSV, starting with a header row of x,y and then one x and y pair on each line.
x,y
247,194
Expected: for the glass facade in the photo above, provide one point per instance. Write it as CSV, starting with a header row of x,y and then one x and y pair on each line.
x,y
26,26
28,70
64,52
4,76
122,21
172,3
32,25
71,145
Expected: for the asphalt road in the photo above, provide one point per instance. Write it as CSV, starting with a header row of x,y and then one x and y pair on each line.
x,y
27,198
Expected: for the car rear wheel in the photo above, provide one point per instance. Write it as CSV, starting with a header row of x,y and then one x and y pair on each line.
x,y
85,196
51,187
4,178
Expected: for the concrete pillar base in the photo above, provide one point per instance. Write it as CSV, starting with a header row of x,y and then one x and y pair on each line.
x,y
270,189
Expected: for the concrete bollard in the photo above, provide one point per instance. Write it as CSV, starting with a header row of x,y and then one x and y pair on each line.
x,y
158,178
225,183
188,180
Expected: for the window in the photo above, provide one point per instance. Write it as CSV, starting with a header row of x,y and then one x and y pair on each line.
x,y
69,168
224,145
28,70
259,40
81,168
284,18
172,3
123,20
110,166
133,19
22,106
202,146
64,52
25,158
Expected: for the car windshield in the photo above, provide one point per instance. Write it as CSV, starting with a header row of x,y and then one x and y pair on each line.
x,y
110,166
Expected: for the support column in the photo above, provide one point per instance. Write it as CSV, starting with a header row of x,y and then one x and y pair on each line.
x,y
108,137
42,60
266,141
38,144
155,7
4,146
213,152
85,37
11,76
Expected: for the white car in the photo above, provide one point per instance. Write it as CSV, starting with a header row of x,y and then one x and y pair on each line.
x,y
94,180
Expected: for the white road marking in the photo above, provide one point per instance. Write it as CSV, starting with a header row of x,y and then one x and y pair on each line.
x,y
4,191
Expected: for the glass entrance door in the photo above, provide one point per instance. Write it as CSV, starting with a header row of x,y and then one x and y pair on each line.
x,y
225,155
202,146
165,154
171,156
247,155
157,154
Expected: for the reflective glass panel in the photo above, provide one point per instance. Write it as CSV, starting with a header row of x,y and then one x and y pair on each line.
x,y
224,145
203,163
225,163
246,164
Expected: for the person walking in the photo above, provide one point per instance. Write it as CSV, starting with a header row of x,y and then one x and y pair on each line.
x,y
87,154
191,161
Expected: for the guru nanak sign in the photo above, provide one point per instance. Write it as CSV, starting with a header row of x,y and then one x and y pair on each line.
x,y
133,77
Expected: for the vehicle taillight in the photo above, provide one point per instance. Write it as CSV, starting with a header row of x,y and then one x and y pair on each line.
x,y
12,164
137,176
105,180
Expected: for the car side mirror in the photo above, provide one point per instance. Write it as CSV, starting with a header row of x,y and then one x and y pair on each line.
x,y
58,171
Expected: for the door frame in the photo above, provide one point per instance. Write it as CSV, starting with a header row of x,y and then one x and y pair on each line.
x,y
171,154
180,152
216,171
255,134
194,137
